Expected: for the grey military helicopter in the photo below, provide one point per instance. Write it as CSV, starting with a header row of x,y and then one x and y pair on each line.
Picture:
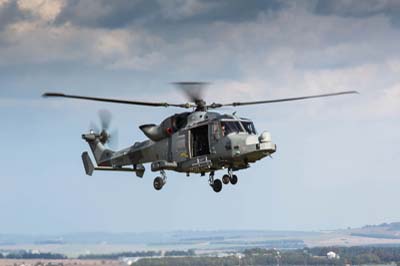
x,y
198,141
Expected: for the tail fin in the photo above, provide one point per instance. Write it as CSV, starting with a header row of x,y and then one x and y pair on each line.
x,y
101,154
87,163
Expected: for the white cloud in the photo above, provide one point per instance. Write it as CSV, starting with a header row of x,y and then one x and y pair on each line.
x,y
39,43
3,2
178,9
113,44
46,10
388,103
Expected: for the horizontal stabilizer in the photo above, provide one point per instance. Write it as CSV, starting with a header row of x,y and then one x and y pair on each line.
x,y
138,169
87,163
119,169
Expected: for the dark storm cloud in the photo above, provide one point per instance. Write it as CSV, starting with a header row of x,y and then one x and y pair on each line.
x,y
358,8
119,13
10,13
237,10
106,14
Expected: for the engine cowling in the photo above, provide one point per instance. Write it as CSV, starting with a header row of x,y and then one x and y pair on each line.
x,y
154,132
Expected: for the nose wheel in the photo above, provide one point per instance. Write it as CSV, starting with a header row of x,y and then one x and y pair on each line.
x,y
230,178
226,179
216,184
160,181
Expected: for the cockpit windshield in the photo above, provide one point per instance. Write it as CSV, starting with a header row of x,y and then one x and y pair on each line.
x,y
249,127
230,127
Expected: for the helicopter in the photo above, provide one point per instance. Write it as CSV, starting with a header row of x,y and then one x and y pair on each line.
x,y
198,141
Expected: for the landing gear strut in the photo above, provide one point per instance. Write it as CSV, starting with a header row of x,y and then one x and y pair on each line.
x,y
160,181
232,178
216,184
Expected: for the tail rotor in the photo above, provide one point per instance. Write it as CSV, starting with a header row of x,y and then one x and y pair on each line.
x,y
111,139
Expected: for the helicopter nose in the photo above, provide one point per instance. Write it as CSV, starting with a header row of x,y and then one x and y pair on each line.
x,y
265,137
266,143
251,147
251,140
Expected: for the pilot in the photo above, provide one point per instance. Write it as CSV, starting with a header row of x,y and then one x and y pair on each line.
x,y
173,124
223,130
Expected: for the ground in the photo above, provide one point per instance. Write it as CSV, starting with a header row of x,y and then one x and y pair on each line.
x,y
73,262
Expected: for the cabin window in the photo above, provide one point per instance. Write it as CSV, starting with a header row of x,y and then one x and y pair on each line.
x,y
200,145
228,127
249,127
216,132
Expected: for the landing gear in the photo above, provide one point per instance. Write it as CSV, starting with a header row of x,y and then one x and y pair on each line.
x,y
233,179
226,179
160,181
216,184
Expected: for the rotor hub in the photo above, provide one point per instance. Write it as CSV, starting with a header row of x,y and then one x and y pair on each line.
x,y
104,136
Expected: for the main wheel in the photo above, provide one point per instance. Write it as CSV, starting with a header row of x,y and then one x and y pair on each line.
x,y
225,179
217,185
158,183
233,179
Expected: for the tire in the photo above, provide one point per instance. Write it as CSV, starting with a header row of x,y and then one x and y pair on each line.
x,y
234,179
158,183
217,185
225,179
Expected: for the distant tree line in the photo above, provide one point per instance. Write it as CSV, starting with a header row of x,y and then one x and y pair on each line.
x,y
362,254
28,255
115,256
181,253
257,256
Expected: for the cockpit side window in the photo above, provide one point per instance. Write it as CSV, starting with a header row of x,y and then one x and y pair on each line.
x,y
249,127
176,122
228,127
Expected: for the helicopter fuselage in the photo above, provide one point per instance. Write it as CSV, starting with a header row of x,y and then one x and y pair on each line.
x,y
206,142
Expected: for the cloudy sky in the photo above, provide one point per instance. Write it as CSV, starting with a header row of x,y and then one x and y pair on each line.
x,y
337,163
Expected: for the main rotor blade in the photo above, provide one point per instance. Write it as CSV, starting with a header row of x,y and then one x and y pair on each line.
x,y
218,105
154,104
194,90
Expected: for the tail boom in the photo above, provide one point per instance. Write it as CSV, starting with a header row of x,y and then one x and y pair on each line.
x,y
104,157
101,154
